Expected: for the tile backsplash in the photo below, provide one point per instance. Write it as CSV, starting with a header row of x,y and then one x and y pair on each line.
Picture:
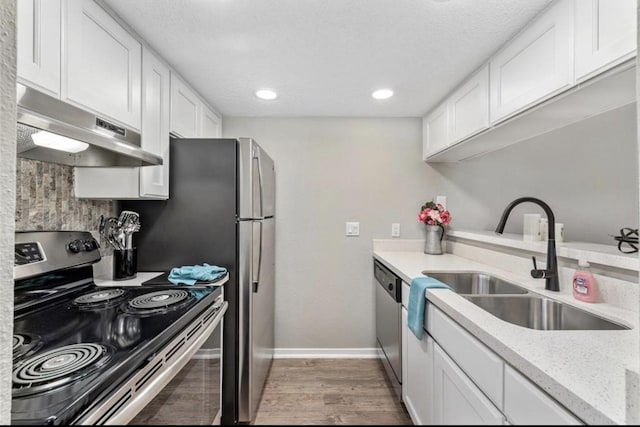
x,y
45,200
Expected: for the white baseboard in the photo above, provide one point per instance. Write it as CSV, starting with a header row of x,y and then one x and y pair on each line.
x,y
325,353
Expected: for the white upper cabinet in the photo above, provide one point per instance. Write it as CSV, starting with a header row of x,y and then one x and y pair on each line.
x,y
156,104
38,34
537,64
148,182
211,124
457,399
605,34
101,67
469,106
435,130
186,109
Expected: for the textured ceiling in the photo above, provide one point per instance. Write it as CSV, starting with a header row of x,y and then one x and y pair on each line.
x,y
325,57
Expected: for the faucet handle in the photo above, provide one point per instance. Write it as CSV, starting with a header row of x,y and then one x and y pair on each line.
x,y
535,273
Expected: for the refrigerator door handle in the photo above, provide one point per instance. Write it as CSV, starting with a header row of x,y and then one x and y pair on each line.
x,y
256,158
256,269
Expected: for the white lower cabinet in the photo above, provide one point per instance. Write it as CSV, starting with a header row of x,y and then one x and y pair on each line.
x,y
457,400
525,403
417,378
450,377
483,366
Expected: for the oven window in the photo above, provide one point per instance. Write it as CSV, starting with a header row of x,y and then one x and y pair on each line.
x,y
193,396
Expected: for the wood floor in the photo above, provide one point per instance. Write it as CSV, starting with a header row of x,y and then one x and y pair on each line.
x,y
329,391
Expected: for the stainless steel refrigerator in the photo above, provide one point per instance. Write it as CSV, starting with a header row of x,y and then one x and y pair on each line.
x,y
221,210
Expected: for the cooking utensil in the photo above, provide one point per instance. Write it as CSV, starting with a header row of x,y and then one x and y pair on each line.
x,y
119,231
109,229
130,224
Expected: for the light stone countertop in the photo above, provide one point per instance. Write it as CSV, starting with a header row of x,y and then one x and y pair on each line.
x,y
583,370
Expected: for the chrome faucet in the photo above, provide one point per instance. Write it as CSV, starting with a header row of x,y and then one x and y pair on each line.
x,y
550,274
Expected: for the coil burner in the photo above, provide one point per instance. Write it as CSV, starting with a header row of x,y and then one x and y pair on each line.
x,y
22,344
159,301
101,298
58,367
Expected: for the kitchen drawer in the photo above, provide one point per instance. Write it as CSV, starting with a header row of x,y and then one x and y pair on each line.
x,y
525,403
480,364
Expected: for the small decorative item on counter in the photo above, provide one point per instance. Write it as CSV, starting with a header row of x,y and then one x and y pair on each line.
x,y
119,233
627,240
584,284
435,217
544,228
531,227
125,264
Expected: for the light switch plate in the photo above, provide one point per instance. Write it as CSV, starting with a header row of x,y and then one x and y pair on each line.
x,y
353,229
395,229
442,200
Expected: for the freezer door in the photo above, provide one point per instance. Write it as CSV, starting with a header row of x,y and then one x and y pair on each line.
x,y
257,289
256,181
266,192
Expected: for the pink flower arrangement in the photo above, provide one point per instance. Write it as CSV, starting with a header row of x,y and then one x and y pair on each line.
x,y
434,214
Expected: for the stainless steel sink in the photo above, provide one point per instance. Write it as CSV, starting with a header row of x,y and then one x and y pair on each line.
x,y
541,313
476,283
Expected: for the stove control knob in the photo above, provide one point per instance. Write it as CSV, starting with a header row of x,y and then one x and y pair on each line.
x,y
90,245
75,246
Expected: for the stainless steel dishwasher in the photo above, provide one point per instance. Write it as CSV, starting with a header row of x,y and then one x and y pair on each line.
x,y
388,323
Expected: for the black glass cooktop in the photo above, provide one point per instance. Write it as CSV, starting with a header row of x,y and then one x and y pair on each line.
x,y
84,343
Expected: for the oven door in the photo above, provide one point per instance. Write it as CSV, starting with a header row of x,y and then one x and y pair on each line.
x,y
193,395
177,386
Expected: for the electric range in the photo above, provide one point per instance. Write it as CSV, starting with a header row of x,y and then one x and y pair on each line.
x,y
89,354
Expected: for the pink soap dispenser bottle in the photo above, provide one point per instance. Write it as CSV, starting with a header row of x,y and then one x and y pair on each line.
x,y
584,284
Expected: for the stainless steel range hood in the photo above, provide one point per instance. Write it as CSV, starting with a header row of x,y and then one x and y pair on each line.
x,y
89,140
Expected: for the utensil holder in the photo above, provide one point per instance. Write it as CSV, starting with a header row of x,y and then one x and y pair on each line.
x,y
125,263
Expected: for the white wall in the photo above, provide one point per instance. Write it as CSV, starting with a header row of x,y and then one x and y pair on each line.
x,y
587,173
7,196
332,170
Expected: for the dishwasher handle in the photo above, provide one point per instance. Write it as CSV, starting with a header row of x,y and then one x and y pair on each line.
x,y
391,283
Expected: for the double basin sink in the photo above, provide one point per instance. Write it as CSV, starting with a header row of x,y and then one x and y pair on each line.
x,y
514,304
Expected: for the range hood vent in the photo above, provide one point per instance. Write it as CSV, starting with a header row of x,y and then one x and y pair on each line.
x,y
53,131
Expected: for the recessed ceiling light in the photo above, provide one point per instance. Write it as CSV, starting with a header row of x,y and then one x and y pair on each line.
x,y
382,94
266,94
